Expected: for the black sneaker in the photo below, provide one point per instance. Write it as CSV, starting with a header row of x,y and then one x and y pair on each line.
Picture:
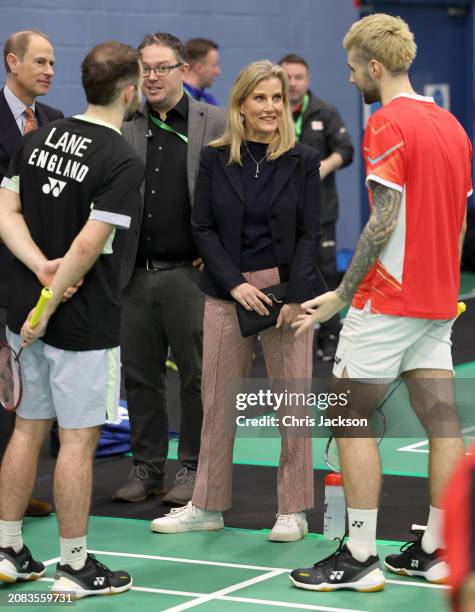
x,y
340,571
182,490
414,561
327,346
142,483
92,579
19,565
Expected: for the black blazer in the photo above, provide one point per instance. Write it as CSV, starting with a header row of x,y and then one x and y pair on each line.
x,y
294,222
10,141
10,135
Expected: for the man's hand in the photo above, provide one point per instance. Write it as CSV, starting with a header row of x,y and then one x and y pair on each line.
x,y
198,263
288,314
31,334
324,169
318,310
330,164
251,298
46,274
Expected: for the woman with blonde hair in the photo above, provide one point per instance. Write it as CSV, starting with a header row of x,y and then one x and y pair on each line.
x,y
256,225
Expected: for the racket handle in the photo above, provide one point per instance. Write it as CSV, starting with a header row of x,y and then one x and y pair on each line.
x,y
46,295
461,308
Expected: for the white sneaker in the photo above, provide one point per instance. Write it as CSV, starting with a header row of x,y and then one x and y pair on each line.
x,y
289,527
188,518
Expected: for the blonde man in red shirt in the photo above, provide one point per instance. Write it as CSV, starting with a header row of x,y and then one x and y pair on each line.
x,y
403,285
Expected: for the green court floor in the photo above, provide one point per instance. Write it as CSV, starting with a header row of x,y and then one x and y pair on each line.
x,y
227,570
467,284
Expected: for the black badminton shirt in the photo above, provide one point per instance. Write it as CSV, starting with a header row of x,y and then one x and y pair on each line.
x,y
68,172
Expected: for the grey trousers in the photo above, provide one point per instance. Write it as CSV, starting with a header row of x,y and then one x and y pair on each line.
x,y
163,308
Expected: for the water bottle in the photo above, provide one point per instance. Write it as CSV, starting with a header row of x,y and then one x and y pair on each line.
x,y
334,513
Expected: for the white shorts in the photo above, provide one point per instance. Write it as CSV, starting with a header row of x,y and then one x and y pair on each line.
x,y
384,346
77,387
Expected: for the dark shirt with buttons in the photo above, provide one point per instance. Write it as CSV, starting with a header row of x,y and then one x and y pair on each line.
x,y
257,246
166,228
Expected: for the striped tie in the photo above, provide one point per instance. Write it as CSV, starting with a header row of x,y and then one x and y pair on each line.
x,y
30,123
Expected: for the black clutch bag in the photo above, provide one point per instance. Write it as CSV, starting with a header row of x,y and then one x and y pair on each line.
x,y
251,323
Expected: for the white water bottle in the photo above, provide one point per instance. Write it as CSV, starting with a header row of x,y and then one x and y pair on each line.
x,y
334,513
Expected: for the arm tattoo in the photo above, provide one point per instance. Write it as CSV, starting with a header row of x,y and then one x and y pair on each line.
x,y
378,230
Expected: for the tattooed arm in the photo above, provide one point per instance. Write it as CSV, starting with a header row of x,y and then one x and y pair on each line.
x,y
378,230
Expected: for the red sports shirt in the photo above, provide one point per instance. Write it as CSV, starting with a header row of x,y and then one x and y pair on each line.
x,y
418,148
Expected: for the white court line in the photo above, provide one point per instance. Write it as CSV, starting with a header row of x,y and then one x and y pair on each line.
x,y
424,585
285,604
183,560
216,594
51,561
167,592
414,448
467,296
151,590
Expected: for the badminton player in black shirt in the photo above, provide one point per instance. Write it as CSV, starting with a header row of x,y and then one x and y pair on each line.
x,y
70,191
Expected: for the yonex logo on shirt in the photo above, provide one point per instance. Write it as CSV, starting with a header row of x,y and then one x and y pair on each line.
x,y
54,187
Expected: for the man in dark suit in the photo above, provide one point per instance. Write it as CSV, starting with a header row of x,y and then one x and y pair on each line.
x,y
163,305
29,60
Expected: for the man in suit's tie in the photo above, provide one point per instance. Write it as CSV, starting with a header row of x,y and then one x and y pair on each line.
x,y
29,60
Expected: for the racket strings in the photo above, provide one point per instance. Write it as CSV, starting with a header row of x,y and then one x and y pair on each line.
x,y
10,379
332,457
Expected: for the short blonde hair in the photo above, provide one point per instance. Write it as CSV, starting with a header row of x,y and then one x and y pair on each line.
x,y
384,38
234,134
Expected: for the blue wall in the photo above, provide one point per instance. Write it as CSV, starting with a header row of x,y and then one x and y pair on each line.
x,y
245,29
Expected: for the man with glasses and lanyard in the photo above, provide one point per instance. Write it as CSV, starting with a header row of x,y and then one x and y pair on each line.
x,y
163,305
319,125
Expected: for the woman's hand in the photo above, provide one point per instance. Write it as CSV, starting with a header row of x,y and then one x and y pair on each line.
x,y
288,314
198,263
251,298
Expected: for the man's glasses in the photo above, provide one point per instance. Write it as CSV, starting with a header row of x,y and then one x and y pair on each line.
x,y
161,70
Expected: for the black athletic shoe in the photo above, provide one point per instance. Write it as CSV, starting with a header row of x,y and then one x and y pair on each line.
x,y
92,579
19,565
340,571
413,561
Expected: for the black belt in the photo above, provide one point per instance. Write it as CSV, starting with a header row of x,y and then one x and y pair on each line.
x,y
153,265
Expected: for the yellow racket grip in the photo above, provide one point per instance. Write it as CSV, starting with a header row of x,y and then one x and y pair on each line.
x,y
461,308
46,295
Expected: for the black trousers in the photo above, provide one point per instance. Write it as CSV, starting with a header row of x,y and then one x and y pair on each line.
x,y
329,271
163,308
